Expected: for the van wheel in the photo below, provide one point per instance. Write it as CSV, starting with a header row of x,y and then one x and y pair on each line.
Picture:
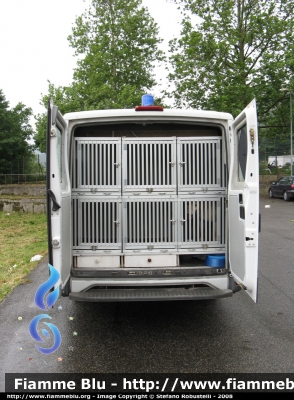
x,y
270,194
286,196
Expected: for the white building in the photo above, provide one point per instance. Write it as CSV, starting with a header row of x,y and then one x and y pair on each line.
x,y
280,160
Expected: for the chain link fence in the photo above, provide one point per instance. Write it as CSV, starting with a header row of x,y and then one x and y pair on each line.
x,y
31,169
10,179
275,157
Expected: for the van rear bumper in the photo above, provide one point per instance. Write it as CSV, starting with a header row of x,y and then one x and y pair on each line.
x,y
150,294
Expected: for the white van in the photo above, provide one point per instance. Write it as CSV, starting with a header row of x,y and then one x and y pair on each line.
x,y
151,204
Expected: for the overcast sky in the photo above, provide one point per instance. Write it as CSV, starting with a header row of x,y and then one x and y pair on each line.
x,y
34,46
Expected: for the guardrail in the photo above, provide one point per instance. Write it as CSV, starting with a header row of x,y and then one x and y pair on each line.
x,y
8,179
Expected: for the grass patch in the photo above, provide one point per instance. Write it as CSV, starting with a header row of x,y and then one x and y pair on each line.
x,y
22,236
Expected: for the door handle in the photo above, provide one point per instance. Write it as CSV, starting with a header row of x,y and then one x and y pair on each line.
x,y
55,206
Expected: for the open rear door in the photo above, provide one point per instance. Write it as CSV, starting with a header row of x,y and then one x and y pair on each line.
x,y
58,196
243,200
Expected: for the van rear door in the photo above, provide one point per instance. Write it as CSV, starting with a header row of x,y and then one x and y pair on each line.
x,y
243,200
58,195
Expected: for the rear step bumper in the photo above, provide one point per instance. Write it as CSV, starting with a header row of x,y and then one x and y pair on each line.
x,y
157,294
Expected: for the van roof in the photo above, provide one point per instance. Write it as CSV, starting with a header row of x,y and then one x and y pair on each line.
x,y
131,113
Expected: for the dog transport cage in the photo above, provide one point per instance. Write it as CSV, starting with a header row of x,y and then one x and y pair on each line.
x,y
148,193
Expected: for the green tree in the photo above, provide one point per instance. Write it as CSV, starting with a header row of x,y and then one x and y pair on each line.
x,y
59,97
117,47
15,131
231,51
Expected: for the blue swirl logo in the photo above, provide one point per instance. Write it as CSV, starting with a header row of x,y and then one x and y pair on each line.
x,y
35,335
45,303
45,287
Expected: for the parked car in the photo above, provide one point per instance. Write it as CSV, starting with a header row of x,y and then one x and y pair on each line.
x,y
284,187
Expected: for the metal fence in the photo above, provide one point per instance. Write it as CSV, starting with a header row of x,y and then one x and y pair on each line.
x,y
8,179
275,156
